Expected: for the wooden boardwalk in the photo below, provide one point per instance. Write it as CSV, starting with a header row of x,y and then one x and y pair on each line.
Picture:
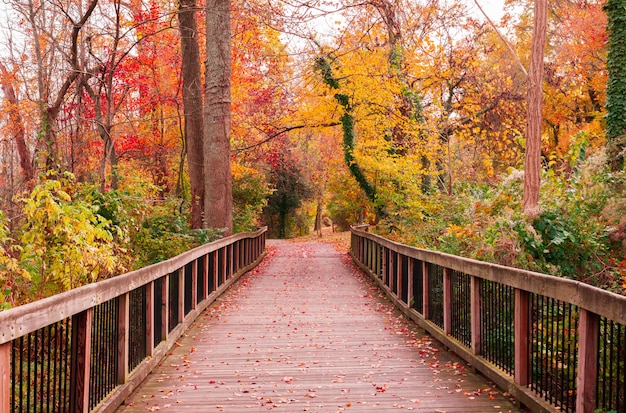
x,y
306,331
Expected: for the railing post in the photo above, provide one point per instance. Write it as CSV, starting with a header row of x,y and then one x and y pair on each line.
x,y
224,257
398,275
383,274
447,301
522,336
5,377
476,302
165,307
205,275
81,357
150,318
194,284
425,291
216,269
181,295
377,259
588,332
409,284
122,337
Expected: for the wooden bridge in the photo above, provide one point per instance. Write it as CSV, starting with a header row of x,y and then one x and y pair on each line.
x,y
306,331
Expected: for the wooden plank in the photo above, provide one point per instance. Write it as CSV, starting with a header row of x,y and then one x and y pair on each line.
x,y
310,334
588,331
5,378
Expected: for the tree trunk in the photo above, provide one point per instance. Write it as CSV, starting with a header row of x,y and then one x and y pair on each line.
x,y
318,215
532,161
16,125
192,102
218,198
616,88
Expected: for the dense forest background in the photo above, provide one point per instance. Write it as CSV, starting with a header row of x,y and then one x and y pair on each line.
x,y
412,115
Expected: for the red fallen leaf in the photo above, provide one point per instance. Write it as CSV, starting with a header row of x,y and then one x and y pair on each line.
x,y
381,389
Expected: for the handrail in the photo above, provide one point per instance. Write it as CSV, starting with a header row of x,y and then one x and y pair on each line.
x,y
88,348
554,344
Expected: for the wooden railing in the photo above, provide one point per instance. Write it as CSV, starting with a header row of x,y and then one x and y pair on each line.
x,y
554,344
89,348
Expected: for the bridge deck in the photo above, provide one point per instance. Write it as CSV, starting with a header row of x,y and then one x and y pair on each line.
x,y
306,331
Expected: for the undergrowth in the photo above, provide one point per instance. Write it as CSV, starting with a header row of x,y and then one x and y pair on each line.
x,y
579,233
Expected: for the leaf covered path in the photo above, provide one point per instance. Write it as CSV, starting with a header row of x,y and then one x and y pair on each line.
x,y
307,331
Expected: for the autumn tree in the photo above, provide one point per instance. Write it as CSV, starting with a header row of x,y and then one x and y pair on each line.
x,y
16,123
192,102
218,204
534,122
55,29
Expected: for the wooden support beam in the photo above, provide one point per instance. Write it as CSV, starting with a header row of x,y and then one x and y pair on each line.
x,y
215,274
522,337
447,301
5,377
476,304
410,294
425,291
194,284
165,306
150,300
123,323
588,332
205,275
181,295
81,361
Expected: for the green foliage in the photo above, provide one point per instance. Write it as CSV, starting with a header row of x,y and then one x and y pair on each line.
x,y
289,191
558,244
65,242
616,88
249,197
12,275
580,232
165,234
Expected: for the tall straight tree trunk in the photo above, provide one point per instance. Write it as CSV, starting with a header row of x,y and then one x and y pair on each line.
x,y
532,162
192,101
218,198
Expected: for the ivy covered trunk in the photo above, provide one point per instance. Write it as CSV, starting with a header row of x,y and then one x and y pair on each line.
x,y
616,88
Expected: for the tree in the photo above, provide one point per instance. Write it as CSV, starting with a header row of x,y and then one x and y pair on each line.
x,y
616,91
218,202
192,102
16,123
532,163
